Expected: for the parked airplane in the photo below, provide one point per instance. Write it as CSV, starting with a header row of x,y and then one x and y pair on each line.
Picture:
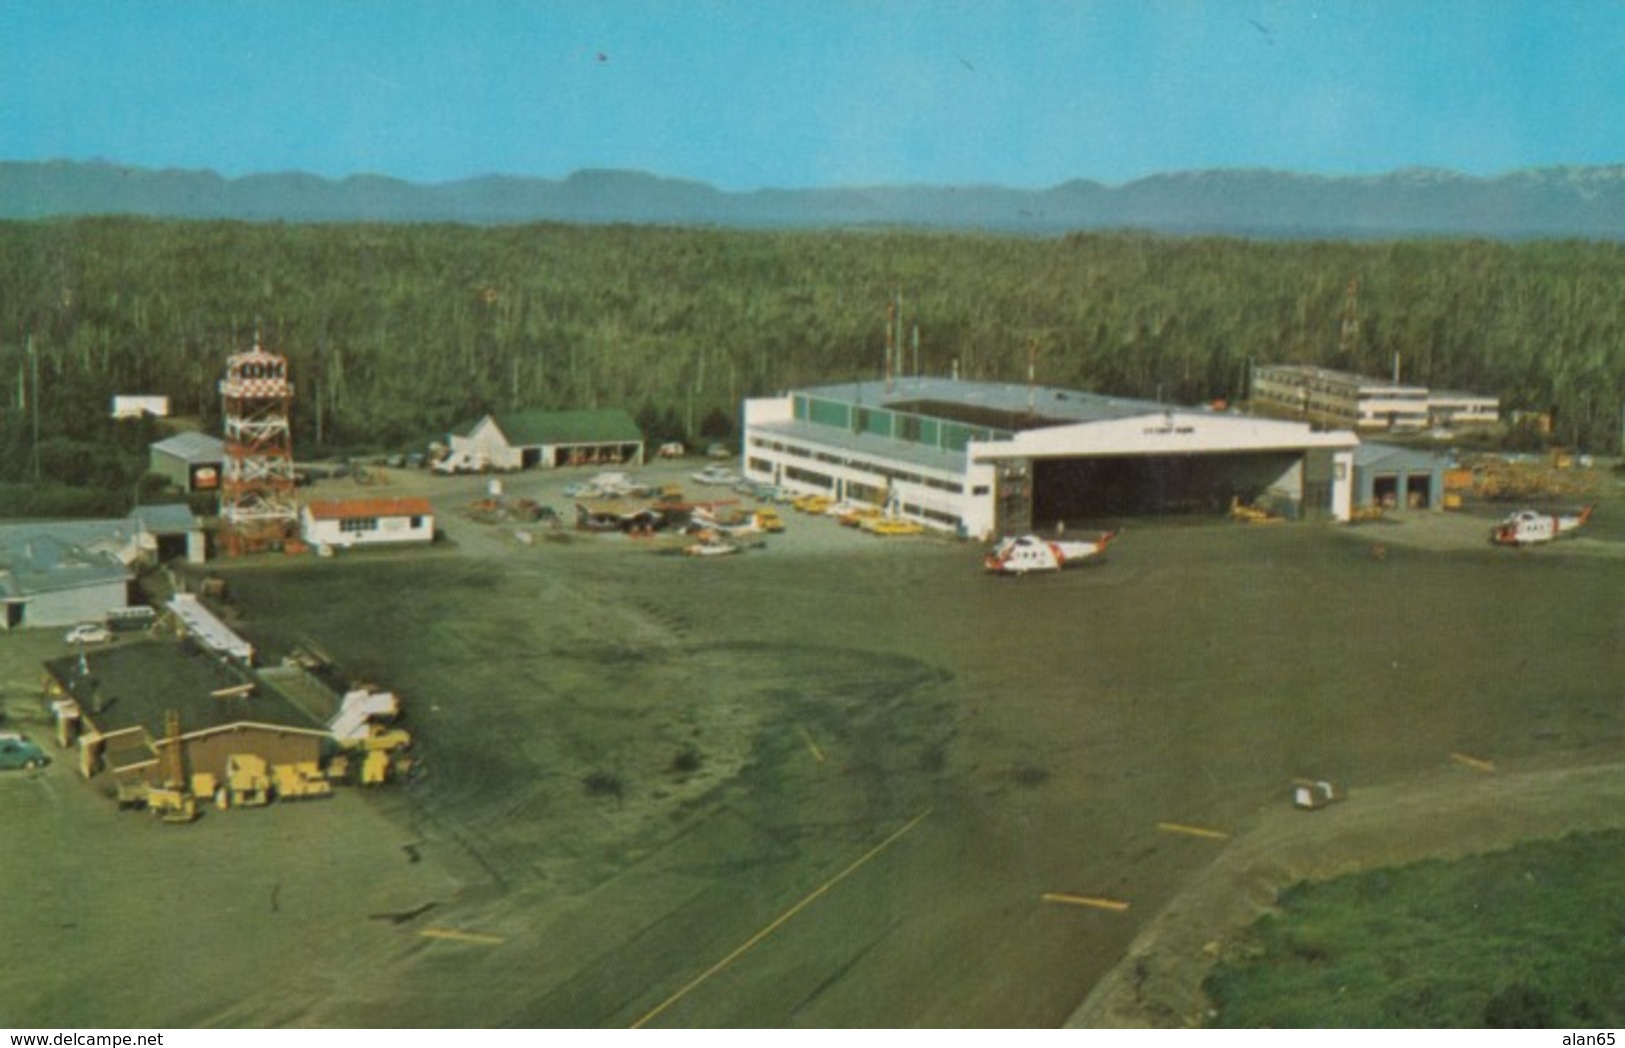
x,y
727,522
1527,527
1018,556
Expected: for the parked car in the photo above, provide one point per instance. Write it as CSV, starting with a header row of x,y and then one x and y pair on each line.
x,y
17,752
88,633
716,475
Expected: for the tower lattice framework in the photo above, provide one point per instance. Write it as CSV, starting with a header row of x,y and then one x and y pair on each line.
x,y
259,509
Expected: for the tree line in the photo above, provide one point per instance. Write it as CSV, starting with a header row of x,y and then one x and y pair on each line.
x,y
396,333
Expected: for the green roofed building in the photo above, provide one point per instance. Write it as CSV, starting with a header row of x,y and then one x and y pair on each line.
x,y
527,439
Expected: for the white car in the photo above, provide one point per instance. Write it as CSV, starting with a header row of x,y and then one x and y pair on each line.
x,y
88,633
716,475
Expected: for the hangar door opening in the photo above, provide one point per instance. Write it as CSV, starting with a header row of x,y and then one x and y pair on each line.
x,y
1075,489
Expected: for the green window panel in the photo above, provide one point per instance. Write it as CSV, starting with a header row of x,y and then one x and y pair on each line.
x,y
829,413
878,422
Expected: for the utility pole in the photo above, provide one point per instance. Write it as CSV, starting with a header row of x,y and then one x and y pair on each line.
x,y
1348,335
33,366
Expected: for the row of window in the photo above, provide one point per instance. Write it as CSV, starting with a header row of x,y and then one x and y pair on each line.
x,y
355,525
889,472
905,426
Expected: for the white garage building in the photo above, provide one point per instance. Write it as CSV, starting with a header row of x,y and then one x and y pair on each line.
x,y
983,459
551,439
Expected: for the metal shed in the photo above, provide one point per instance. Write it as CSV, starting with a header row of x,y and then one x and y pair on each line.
x,y
191,461
1395,477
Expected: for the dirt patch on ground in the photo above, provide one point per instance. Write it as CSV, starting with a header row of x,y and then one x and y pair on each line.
x,y
1450,814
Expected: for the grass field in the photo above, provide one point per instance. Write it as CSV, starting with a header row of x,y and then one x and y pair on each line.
x,y
869,762
1533,936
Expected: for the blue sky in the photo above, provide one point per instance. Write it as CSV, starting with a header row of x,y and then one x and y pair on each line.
x,y
797,93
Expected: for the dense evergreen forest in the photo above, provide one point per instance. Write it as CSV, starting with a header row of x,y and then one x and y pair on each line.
x,y
396,333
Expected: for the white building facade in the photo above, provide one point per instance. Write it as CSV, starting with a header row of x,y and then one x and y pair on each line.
x,y
1340,398
979,459
342,523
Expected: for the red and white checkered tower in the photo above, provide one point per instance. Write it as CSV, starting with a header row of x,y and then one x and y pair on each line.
x,y
258,507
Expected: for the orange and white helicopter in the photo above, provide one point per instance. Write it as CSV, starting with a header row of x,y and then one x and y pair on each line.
x,y
1527,527
1024,553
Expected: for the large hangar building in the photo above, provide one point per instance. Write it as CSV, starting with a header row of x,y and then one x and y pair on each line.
x,y
983,459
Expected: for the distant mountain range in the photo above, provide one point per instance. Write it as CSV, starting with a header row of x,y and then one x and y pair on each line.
x,y
1584,202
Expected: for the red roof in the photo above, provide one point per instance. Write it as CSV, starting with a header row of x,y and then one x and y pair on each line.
x,y
345,509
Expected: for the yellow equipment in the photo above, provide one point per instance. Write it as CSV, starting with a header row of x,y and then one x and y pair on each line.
x,y
173,800
172,805
1251,514
375,768
299,781
247,784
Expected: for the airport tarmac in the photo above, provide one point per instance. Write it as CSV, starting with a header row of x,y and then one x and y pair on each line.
x,y
898,770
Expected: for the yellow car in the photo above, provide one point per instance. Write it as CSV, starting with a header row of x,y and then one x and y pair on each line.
x,y
768,520
815,504
886,527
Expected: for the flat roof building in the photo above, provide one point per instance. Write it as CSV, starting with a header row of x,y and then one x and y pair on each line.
x,y
118,699
980,458
1341,398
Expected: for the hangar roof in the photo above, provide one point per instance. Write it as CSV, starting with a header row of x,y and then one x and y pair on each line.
x,y
1000,405
1048,422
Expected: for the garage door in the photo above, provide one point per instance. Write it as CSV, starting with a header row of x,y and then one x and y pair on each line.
x,y
1141,485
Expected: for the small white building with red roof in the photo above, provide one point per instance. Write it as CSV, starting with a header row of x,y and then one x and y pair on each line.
x,y
367,521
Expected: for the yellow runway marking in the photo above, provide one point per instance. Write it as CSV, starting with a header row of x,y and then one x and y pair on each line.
x,y
1192,831
818,754
456,936
1115,905
779,921
1474,763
